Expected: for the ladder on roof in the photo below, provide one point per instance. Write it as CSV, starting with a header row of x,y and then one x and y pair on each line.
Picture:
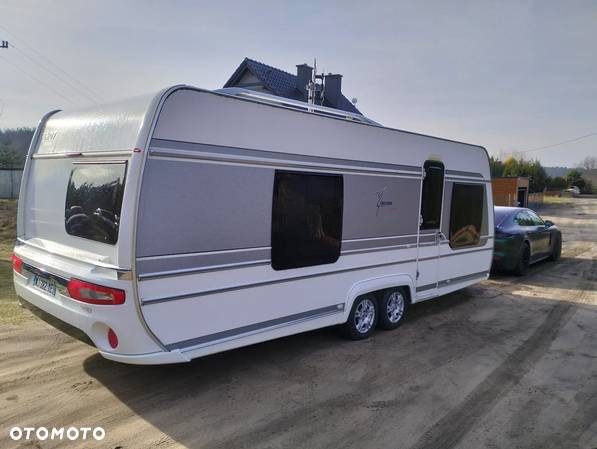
x,y
294,104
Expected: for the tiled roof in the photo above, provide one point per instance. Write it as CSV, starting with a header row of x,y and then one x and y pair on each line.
x,y
280,83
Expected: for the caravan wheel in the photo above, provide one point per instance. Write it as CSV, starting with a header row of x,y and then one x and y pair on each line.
x,y
362,319
392,308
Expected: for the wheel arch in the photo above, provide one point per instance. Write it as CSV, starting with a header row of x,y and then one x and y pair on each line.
x,y
376,284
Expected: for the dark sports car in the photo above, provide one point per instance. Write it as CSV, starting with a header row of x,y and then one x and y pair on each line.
x,y
523,238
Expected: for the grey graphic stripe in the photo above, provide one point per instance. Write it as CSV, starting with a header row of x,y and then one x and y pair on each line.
x,y
243,331
173,148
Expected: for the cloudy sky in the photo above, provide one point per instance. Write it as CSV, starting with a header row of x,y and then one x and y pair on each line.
x,y
510,76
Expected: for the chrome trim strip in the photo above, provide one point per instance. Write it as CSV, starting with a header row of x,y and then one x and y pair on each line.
x,y
460,279
231,266
262,283
180,263
96,263
256,328
190,150
378,242
464,173
377,249
456,280
467,180
209,269
202,253
82,154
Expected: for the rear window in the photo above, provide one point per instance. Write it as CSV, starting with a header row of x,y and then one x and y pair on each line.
x,y
94,200
501,215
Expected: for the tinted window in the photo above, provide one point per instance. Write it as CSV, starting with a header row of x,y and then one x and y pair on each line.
x,y
466,214
306,219
431,197
524,219
94,200
537,221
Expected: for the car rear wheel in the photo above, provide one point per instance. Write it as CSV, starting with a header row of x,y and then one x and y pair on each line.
x,y
392,307
362,319
524,260
556,252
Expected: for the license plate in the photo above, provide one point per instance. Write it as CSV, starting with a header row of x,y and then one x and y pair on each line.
x,y
44,284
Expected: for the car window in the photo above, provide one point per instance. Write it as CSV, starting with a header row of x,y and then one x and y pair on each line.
x,y
524,219
537,221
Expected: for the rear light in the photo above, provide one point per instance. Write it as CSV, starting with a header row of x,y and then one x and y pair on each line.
x,y
94,294
17,264
112,338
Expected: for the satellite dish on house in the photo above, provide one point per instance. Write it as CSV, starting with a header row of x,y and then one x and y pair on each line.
x,y
354,101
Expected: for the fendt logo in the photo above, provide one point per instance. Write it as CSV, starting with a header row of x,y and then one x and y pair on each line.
x,y
380,202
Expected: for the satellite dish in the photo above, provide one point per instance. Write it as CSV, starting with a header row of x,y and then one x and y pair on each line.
x,y
354,100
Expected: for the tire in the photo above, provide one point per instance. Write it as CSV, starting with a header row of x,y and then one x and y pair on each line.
x,y
556,252
392,308
524,260
362,319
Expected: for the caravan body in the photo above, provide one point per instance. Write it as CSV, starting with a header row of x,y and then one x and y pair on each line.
x,y
191,222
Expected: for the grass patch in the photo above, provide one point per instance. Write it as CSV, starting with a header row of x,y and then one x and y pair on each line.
x,y
10,310
8,227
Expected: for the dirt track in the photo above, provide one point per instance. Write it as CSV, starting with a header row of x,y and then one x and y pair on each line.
x,y
508,363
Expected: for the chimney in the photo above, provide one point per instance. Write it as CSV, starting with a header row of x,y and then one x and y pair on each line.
x,y
304,73
333,89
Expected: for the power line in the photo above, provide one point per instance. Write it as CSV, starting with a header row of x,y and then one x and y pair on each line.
x,y
65,81
28,46
575,139
34,78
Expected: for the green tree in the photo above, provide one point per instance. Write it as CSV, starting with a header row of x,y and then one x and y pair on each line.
x,y
496,167
558,183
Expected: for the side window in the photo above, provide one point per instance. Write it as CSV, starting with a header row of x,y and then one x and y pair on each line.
x,y
537,221
431,196
524,219
466,214
306,219
93,201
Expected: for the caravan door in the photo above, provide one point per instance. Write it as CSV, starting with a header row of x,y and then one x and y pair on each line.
x,y
430,235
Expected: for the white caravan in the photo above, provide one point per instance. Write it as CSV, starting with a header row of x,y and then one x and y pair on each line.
x,y
190,222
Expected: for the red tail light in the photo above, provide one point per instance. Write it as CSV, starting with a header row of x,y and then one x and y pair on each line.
x,y
17,263
94,294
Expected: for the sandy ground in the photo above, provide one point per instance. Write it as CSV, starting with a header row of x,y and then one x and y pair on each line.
x,y
509,363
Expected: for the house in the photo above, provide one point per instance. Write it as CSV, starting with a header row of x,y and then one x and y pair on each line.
x,y
510,191
255,75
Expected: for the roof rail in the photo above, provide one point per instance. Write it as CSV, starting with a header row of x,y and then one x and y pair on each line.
x,y
294,104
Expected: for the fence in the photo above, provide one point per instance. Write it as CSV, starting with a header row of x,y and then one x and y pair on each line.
x,y
535,198
10,182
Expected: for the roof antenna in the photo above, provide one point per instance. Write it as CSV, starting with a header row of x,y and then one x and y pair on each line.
x,y
313,88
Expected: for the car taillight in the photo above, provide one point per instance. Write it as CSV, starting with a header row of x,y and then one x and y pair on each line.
x,y
17,264
94,294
